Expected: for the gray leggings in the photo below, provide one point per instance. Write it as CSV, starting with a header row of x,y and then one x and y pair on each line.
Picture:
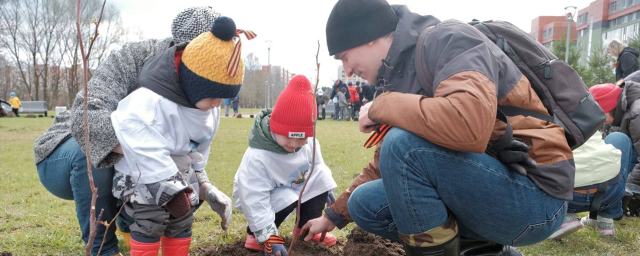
x,y
151,222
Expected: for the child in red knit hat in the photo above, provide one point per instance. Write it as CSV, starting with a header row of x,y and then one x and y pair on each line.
x,y
276,165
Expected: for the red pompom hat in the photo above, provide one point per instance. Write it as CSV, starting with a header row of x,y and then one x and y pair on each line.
x,y
606,95
292,114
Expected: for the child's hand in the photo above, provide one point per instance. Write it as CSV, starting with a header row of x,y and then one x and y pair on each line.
x,y
274,246
219,203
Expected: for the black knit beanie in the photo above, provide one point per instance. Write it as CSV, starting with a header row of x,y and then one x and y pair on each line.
x,y
356,22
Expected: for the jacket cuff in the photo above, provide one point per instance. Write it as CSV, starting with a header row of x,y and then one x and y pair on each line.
x,y
202,177
263,235
336,218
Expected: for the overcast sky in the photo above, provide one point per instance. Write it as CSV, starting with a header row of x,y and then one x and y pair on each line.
x,y
295,26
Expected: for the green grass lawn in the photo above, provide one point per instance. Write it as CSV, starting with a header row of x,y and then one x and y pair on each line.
x,y
34,222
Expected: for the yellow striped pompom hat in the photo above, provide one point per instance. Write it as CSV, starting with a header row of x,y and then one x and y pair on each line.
x,y
211,65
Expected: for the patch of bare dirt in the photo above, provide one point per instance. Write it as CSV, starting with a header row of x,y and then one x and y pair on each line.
x,y
359,243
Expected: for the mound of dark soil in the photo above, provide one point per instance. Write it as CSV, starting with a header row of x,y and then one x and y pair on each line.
x,y
359,243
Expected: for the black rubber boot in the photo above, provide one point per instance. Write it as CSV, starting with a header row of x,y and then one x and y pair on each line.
x,y
631,200
450,248
472,247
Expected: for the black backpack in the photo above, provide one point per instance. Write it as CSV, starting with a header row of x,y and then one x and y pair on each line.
x,y
559,87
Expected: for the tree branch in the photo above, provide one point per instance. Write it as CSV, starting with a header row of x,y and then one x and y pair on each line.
x,y
314,119
85,63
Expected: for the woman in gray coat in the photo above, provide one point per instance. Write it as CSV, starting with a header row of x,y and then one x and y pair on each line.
x,y
59,152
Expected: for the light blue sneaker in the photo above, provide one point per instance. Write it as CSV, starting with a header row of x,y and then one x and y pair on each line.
x,y
569,225
604,226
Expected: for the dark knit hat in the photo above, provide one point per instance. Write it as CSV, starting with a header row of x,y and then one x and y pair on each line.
x,y
211,66
295,110
192,22
356,22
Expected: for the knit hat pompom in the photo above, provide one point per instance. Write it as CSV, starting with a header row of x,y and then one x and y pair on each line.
x,y
224,28
294,110
606,95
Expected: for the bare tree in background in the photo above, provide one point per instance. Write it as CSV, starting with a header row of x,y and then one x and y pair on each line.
x,y
31,38
5,76
40,38
253,86
51,27
11,23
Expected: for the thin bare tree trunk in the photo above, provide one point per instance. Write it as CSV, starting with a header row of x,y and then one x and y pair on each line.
x,y
85,63
314,119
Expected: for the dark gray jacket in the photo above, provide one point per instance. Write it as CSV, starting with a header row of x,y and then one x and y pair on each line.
x,y
469,77
627,63
630,123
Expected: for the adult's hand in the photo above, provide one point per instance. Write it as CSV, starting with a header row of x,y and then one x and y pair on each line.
x,y
515,157
364,123
317,225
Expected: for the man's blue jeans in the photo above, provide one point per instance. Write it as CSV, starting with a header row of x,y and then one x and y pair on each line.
x,y
64,174
426,182
611,206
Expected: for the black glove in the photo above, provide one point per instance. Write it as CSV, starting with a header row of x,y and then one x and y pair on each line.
x,y
515,157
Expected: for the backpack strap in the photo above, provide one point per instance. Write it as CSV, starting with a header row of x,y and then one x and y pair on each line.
x,y
516,111
502,143
601,188
597,201
424,76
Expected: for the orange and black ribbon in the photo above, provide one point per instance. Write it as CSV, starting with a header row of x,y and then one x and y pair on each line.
x,y
377,135
273,239
234,62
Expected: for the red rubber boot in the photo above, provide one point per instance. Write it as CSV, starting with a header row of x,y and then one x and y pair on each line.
x,y
144,249
175,246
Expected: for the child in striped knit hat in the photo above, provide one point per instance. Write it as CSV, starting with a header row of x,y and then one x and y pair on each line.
x,y
175,112
275,167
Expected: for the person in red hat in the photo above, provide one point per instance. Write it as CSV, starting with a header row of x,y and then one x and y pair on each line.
x,y
275,167
621,105
607,96
602,165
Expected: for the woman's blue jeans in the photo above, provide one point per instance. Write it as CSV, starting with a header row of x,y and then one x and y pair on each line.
x,y
611,206
64,174
427,182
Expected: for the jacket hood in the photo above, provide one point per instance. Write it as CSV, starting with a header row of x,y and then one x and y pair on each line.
x,y
260,136
405,38
160,76
630,50
631,89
